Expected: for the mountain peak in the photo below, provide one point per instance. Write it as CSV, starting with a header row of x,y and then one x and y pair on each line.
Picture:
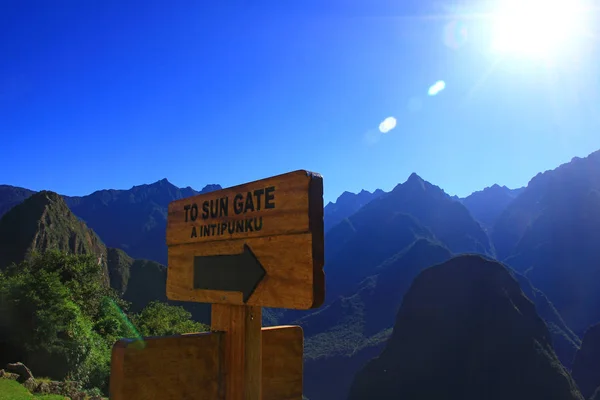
x,y
162,182
414,181
42,222
346,205
414,177
466,330
211,188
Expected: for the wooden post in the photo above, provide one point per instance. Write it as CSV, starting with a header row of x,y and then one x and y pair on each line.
x,y
243,349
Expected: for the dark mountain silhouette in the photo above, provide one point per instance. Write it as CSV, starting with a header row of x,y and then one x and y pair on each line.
x,y
10,196
42,222
466,331
346,205
586,367
133,220
565,342
486,205
550,233
342,336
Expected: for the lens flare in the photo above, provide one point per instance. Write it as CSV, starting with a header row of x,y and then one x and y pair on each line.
x,y
134,337
455,34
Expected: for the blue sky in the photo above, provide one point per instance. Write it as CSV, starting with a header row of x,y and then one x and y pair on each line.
x,y
111,94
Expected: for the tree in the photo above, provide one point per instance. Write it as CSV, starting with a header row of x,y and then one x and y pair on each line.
x,y
161,319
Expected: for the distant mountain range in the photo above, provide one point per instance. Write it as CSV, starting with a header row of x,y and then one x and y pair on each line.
x,y
346,205
538,249
487,205
133,220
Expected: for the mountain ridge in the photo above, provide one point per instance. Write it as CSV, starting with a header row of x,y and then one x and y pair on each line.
x,y
452,340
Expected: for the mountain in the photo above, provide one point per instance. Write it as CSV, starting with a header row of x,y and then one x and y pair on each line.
x,y
137,281
43,221
133,220
550,234
586,367
346,205
342,336
388,224
10,196
486,205
565,342
465,330
448,220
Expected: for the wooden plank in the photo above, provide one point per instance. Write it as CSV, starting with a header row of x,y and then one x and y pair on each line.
x,y
282,362
157,372
280,265
279,205
242,350
293,278
168,368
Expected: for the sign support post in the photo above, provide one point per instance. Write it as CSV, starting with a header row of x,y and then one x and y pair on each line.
x,y
243,349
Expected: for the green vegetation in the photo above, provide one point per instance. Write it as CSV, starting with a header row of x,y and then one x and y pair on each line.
x,y
13,390
160,319
59,317
44,222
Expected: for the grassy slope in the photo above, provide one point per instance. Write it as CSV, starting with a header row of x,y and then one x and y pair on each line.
x,y
13,390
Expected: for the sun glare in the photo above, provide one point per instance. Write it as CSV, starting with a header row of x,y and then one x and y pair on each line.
x,y
536,27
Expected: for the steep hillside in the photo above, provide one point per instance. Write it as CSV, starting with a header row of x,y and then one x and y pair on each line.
x,y
133,220
466,331
346,205
342,336
387,225
43,221
586,367
565,342
10,196
556,191
449,220
550,233
143,281
488,204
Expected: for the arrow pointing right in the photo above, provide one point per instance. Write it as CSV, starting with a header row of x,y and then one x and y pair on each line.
x,y
233,273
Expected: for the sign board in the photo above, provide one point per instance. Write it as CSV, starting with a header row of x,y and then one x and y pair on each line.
x,y
192,366
256,244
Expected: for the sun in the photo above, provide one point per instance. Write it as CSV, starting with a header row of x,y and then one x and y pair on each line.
x,y
537,28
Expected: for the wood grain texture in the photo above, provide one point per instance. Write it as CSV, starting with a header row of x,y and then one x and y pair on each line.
x,y
282,360
162,370
289,244
242,371
168,368
294,276
292,197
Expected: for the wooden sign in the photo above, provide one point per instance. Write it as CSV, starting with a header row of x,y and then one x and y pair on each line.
x,y
194,366
257,244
